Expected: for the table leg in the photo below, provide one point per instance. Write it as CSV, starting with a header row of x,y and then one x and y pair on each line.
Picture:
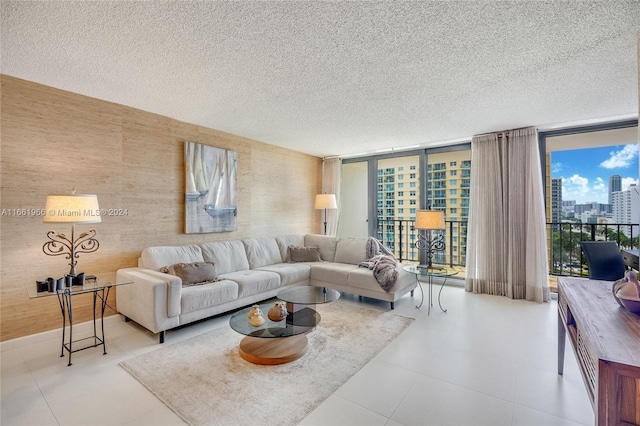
x,y
105,297
421,292
64,321
67,297
562,333
302,315
439,293
430,284
95,296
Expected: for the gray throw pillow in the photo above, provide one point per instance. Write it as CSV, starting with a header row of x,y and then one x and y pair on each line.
x,y
195,273
304,254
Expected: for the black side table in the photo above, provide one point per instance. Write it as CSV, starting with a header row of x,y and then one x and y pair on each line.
x,y
430,274
65,298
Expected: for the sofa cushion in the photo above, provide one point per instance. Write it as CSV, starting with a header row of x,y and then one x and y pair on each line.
x,y
363,278
159,256
288,240
207,295
304,254
262,252
326,243
331,272
194,273
290,273
351,250
253,281
228,256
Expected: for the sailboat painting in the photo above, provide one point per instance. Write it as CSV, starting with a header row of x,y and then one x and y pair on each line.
x,y
210,196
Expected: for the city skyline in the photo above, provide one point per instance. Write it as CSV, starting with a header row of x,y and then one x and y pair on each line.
x,y
585,172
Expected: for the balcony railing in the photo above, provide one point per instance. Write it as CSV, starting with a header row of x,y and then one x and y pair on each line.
x,y
400,237
563,242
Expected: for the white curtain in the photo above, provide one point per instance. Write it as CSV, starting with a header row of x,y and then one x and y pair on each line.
x,y
331,169
506,236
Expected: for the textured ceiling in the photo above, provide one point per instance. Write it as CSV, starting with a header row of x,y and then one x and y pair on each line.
x,y
339,77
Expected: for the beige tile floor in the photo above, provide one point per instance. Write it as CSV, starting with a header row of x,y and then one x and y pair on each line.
x,y
487,361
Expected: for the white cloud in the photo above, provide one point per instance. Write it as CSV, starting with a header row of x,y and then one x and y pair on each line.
x,y
599,185
626,182
622,158
556,168
574,187
578,188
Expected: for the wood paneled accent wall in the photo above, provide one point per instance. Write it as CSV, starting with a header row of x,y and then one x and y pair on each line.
x,y
53,141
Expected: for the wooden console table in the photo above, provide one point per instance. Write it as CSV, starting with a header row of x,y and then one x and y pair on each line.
x,y
606,341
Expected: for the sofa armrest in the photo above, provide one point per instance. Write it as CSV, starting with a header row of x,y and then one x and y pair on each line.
x,y
151,300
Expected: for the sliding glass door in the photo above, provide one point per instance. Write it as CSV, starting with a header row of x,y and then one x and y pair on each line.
x,y
396,187
397,200
591,191
448,183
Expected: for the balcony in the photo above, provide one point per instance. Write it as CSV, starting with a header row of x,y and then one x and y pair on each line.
x,y
563,243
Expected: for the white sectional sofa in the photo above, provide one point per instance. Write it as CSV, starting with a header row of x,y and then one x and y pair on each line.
x,y
248,271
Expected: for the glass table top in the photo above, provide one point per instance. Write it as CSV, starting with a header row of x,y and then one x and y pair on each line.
x,y
435,271
89,286
239,322
308,295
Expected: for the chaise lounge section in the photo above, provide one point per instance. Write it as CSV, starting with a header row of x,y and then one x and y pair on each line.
x,y
176,285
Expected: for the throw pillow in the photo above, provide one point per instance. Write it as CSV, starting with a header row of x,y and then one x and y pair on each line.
x,y
196,273
304,254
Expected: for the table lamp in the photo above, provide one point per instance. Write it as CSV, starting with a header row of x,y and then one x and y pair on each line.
x,y
430,220
73,209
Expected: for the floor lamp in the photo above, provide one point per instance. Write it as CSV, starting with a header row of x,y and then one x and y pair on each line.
x,y
430,220
326,201
80,208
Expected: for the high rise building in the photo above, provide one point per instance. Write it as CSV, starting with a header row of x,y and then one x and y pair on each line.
x,y
448,184
398,195
615,184
626,206
556,203
592,212
568,209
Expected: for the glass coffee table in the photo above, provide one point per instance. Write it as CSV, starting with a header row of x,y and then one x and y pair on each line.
x,y
279,342
301,303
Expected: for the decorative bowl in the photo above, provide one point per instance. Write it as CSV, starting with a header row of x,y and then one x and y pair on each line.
x,y
632,304
628,290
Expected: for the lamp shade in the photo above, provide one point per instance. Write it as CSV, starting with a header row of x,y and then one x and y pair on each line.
x,y
78,208
326,201
429,219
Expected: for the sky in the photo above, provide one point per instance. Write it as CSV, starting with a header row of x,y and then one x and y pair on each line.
x,y
585,172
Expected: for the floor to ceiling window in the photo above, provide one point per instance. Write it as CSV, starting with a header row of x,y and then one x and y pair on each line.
x,y
397,194
591,191
448,183
381,194
400,185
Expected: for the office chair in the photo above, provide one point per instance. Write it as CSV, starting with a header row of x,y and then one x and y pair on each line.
x,y
604,260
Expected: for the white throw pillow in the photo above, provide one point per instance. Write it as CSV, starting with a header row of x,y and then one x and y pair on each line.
x,y
351,250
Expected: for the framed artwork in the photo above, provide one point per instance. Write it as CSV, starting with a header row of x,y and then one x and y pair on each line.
x,y
210,194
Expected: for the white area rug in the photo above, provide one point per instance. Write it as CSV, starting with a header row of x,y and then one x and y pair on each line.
x,y
205,382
